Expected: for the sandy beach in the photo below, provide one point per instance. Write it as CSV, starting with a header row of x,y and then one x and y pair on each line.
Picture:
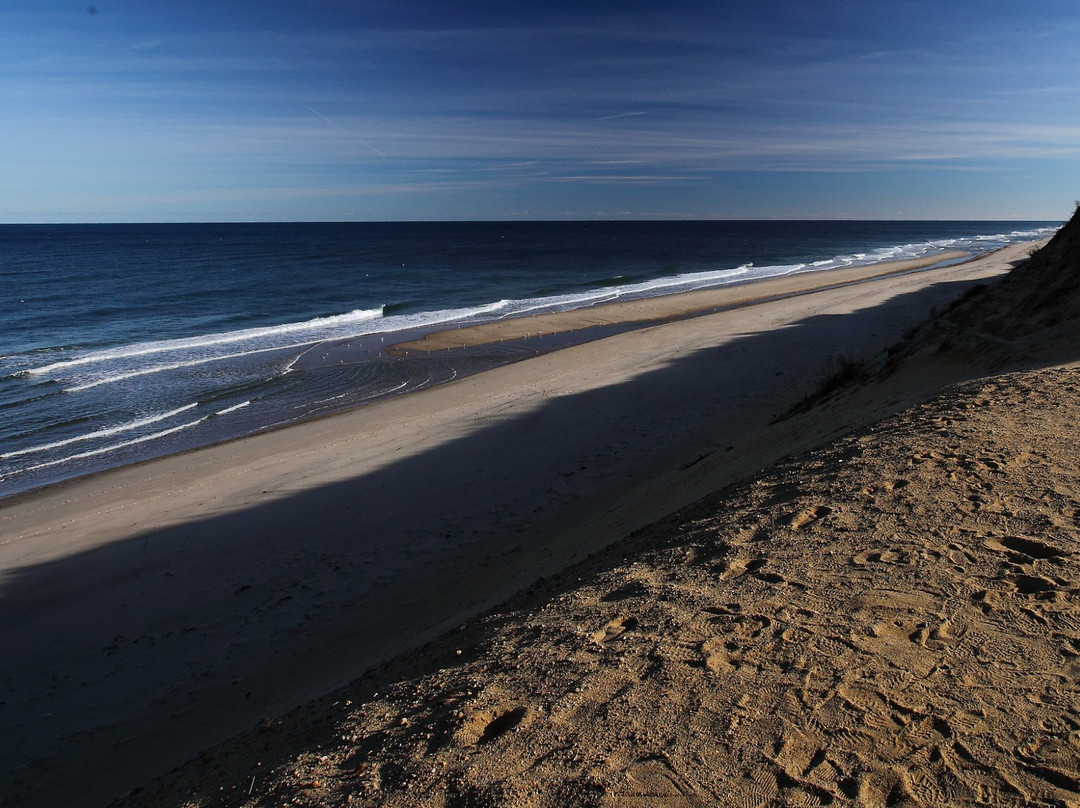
x,y
889,620
155,611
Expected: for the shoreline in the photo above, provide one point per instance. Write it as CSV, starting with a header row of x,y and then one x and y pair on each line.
x,y
545,329
633,315
664,308
342,541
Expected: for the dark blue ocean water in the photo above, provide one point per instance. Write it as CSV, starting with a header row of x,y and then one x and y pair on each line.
x,y
123,342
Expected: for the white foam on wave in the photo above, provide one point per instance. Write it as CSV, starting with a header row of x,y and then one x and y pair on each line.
x,y
189,363
116,430
102,433
233,408
122,364
209,341
427,319
608,294
539,305
903,252
111,448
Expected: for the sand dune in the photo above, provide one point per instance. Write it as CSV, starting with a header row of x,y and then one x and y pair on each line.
x,y
891,620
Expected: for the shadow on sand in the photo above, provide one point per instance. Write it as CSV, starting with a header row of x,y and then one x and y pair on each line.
x,y
166,643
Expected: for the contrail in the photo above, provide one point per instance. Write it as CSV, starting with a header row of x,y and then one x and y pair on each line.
x,y
346,131
621,115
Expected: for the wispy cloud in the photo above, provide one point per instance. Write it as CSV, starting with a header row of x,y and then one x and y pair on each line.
x,y
408,98
147,44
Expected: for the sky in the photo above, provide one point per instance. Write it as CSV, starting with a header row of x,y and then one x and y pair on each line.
x,y
365,110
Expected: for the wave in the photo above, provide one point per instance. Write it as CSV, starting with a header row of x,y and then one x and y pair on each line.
x,y
394,308
110,432
313,327
124,363
233,408
112,447
101,433
189,363
750,272
439,317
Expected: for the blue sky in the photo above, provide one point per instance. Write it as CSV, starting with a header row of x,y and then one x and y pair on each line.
x,y
138,110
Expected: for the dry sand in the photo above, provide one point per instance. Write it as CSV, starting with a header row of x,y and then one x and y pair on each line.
x,y
891,620
153,611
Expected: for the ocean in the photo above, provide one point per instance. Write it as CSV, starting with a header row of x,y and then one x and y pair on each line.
x,y
119,343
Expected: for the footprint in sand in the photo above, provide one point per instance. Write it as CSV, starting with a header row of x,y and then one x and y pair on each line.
x,y
1032,584
653,782
634,589
614,628
715,654
960,557
741,566
809,515
751,626
772,578
886,556
484,726
1032,549
895,485
1070,646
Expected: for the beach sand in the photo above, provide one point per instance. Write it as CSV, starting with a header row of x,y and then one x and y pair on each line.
x,y
891,620
154,611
